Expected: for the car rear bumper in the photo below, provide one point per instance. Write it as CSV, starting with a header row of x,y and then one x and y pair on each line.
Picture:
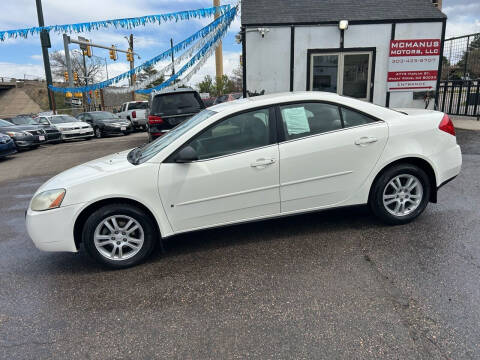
x,y
449,164
139,122
52,230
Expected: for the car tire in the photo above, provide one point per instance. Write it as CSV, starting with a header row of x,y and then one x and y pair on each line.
x,y
123,243
97,132
400,194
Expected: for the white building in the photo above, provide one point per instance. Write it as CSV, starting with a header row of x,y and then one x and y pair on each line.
x,y
291,45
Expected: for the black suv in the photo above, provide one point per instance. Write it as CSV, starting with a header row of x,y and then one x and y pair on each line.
x,y
170,108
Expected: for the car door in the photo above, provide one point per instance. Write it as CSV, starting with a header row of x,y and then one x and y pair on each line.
x,y
328,153
236,176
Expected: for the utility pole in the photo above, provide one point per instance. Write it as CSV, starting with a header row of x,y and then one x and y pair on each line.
x,y
173,60
132,65
218,51
85,97
66,42
45,41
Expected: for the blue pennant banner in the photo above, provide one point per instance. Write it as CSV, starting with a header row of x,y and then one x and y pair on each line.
x,y
230,15
226,18
127,23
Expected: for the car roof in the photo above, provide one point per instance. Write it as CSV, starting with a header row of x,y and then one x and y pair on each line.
x,y
174,91
284,97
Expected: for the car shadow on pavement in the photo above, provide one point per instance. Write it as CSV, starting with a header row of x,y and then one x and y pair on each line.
x,y
292,230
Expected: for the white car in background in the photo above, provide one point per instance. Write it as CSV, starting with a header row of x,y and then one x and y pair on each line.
x,y
136,112
70,127
245,160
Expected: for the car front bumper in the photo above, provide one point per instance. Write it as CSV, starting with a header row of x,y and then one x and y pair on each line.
x,y
114,130
77,134
52,230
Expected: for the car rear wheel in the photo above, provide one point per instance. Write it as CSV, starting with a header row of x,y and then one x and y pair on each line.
x,y
119,235
400,194
98,133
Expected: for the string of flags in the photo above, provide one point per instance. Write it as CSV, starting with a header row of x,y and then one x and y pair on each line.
x,y
125,23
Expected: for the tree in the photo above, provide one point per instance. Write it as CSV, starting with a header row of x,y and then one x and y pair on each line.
x,y
469,64
147,73
223,85
206,85
237,78
94,71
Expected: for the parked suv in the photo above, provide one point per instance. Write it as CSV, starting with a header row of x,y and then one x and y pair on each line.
x,y
106,123
170,108
136,112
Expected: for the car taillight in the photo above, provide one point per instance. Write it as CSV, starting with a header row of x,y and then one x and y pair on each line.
x,y
134,114
447,125
152,120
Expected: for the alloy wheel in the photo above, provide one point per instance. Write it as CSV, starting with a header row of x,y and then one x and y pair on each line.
x,y
119,237
402,195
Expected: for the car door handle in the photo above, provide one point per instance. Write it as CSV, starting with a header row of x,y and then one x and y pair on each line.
x,y
365,140
261,163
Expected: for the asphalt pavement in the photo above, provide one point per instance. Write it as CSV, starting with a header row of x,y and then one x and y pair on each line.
x,y
330,285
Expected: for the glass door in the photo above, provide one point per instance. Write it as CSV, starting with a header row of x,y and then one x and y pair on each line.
x,y
356,75
347,73
324,74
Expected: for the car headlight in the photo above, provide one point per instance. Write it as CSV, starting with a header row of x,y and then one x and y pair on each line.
x,y
47,200
14,133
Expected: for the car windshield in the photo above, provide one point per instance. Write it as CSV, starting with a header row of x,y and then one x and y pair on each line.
x,y
4,123
24,120
147,151
175,104
103,115
62,119
139,105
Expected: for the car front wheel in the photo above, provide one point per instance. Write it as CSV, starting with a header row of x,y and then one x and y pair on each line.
x,y
98,133
119,235
400,194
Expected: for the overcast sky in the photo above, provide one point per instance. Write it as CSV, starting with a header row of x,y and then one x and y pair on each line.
x,y
20,56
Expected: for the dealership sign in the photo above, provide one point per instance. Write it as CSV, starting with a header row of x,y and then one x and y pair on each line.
x,y
413,64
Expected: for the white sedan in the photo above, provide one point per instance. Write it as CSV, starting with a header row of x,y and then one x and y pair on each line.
x,y
246,160
70,127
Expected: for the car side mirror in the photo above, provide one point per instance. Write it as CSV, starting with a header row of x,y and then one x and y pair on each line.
x,y
186,155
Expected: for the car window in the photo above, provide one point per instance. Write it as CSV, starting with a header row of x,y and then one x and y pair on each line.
x,y
138,105
80,117
43,121
4,123
237,133
305,119
62,119
23,120
354,118
175,104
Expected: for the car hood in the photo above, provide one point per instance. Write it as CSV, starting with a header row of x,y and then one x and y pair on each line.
x,y
110,165
70,125
19,128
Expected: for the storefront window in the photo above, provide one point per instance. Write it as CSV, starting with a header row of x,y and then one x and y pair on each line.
x,y
344,73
